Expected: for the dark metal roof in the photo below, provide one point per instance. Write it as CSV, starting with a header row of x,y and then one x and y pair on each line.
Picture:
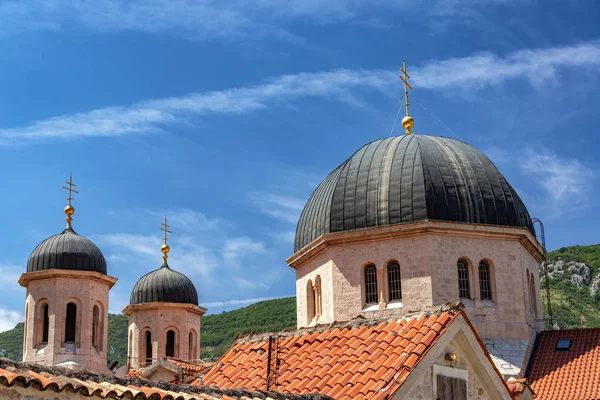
x,y
166,286
67,250
411,178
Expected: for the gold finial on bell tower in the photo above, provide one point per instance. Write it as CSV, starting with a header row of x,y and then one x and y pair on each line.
x,y
69,209
165,247
407,122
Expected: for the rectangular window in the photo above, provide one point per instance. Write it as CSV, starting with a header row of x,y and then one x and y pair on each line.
x,y
485,287
451,388
563,345
463,280
371,285
394,283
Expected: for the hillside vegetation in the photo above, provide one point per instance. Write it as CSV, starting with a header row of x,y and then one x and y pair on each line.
x,y
217,334
574,278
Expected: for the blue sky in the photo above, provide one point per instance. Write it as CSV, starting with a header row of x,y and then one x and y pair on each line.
x,y
224,116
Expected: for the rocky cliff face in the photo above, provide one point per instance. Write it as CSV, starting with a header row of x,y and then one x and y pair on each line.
x,y
577,273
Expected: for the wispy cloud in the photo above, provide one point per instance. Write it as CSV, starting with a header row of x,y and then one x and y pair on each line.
x,y
468,73
238,247
8,319
285,208
151,116
566,181
214,19
484,69
9,274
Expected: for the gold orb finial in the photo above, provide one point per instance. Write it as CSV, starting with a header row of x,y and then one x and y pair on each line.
x,y
407,122
69,209
165,247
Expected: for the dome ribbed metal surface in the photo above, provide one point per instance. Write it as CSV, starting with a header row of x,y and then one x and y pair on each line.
x,y
166,286
411,178
69,251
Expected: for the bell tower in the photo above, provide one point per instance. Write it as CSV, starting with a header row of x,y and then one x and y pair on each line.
x,y
66,306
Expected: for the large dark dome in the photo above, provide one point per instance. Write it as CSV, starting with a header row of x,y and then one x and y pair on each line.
x,y
411,178
166,286
67,250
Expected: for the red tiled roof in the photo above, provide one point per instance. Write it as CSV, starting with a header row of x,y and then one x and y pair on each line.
x,y
36,377
192,368
516,387
134,373
568,375
356,360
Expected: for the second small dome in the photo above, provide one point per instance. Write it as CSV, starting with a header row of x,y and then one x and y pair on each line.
x,y
166,286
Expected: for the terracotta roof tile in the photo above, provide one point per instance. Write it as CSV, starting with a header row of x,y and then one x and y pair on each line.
x,y
352,360
572,374
39,378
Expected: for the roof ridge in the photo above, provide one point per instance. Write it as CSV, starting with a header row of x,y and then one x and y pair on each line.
x,y
358,322
19,368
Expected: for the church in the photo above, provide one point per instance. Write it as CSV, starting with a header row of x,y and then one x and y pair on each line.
x,y
417,277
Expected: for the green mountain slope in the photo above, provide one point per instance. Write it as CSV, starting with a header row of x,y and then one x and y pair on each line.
x,y
574,278
217,334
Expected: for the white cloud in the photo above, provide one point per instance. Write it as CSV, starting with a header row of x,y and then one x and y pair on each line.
x,y
566,181
210,19
285,208
242,246
139,244
8,319
150,116
535,65
186,219
10,274
473,72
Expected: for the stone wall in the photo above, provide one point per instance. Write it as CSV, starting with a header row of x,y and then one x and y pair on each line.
x,y
159,318
58,288
427,253
470,364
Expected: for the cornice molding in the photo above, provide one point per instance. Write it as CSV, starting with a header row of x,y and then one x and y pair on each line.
x,y
421,228
28,277
163,306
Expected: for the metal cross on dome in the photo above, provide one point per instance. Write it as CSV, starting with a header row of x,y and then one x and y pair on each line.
x,y
407,122
165,228
70,188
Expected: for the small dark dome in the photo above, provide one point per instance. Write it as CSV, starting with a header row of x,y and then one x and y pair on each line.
x,y
411,178
166,286
69,251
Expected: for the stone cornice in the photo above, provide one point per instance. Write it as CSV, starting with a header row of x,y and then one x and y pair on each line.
x,y
164,306
28,277
320,244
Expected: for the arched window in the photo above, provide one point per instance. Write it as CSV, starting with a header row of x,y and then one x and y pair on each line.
x,y
45,323
318,301
71,323
310,302
191,355
464,291
148,348
170,349
394,286
95,326
532,295
370,284
129,349
485,281
25,328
